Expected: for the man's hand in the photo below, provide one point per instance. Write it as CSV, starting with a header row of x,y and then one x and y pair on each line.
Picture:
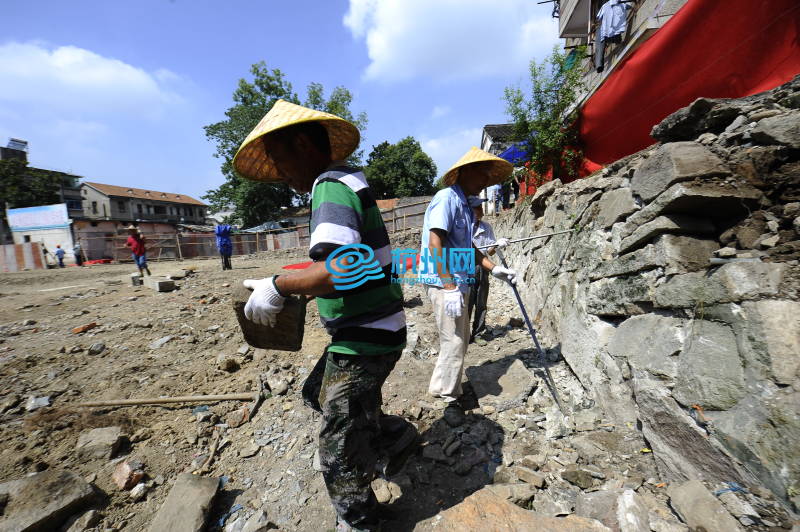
x,y
501,243
453,302
264,303
505,274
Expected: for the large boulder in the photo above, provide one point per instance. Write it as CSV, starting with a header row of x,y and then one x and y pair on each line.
x,y
710,372
672,163
681,448
485,510
43,502
186,507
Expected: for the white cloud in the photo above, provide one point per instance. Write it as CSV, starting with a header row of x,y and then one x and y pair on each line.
x,y
445,150
440,111
450,39
75,79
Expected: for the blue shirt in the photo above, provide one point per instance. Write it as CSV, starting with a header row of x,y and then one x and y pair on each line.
x,y
448,211
60,253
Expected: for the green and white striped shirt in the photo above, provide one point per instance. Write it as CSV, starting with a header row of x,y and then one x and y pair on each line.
x,y
368,319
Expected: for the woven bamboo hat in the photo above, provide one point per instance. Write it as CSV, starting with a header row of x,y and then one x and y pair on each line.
x,y
253,162
496,168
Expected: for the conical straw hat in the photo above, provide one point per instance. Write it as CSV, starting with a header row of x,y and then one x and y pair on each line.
x,y
253,162
496,168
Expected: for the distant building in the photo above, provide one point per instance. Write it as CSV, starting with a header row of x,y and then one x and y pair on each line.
x,y
49,225
495,138
67,191
108,209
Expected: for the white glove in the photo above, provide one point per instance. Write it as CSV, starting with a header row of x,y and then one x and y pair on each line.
x,y
264,303
501,243
453,302
505,274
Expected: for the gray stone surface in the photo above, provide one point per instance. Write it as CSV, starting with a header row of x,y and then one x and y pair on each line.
x,y
186,507
684,253
614,206
673,223
503,384
159,284
642,259
773,329
600,505
782,129
682,449
713,200
620,296
44,501
672,163
632,514
735,281
650,343
100,443
699,509
710,372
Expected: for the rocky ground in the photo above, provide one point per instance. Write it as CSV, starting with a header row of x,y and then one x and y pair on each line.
x,y
185,342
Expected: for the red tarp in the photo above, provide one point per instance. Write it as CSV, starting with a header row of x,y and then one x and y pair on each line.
x,y
709,48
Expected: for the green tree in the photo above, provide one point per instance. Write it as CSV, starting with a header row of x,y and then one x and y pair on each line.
x,y
253,202
400,170
545,113
21,186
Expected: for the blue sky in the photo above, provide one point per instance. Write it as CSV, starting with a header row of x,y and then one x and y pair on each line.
x,y
118,91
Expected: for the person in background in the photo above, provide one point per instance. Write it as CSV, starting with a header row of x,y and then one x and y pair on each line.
x,y
447,231
60,256
506,194
136,243
76,250
483,235
224,245
497,197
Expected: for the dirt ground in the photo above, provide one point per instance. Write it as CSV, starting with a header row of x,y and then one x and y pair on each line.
x,y
265,463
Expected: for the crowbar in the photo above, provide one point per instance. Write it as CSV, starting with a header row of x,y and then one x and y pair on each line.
x,y
528,238
551,385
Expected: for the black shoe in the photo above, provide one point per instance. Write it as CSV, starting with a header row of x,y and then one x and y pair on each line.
x,y
454,414
406,445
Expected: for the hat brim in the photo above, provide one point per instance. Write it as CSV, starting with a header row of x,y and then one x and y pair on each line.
x,y
497,170
253,162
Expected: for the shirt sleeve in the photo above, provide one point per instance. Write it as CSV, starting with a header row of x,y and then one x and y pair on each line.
x,y
440,214
336,215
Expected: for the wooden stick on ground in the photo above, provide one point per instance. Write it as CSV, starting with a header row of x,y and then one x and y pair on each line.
x,y
248,396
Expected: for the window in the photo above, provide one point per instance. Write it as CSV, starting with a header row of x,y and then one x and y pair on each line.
x,y
139,207
160,209
149,209
121,206
94,207
74,205
26,238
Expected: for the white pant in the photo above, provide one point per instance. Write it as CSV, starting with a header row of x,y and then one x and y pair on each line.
x,y
453,342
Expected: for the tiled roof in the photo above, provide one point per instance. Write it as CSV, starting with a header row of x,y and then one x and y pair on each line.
x,y
140,193
499,132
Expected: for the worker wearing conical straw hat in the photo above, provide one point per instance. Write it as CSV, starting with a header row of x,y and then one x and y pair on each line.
x,y
447,230
357,302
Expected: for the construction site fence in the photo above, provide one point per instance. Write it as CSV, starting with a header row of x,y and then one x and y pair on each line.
x,y
180,246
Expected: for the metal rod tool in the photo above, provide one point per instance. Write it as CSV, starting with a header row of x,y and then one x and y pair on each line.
x,y
528,238
551,385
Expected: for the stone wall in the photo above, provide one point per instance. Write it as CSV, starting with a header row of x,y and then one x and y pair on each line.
x,y
675,299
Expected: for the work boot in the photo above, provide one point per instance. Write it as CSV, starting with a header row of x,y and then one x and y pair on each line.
x,y
454,414
148,271
399,453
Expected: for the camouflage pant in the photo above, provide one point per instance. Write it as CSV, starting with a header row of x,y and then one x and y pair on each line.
x,y
346,389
